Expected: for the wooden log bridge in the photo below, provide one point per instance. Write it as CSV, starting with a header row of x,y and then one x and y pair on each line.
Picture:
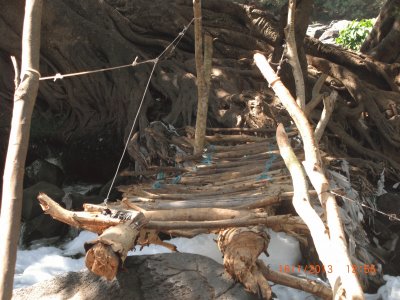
x,y
232,189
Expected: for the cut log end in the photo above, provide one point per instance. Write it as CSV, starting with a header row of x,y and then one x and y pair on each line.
x,y
102,261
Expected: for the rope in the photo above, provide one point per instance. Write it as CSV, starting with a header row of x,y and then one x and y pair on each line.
x,y
268,165
130,132
62,76
32,71
173,44
392,217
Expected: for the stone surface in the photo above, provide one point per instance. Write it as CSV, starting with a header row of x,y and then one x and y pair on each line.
x,y
42,170
327,33
42,226
75,201
36,224
162,276
31,207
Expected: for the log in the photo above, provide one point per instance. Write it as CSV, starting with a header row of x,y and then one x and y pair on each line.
x,y
107,253
241,248
23,104
307,285
314,169
301,203
96,222
293,58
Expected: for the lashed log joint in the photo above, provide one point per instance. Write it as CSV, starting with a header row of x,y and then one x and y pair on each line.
x,y
105,254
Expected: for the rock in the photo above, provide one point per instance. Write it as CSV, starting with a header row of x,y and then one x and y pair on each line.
x,y
75,201
42,170
332,31
315,30
36,224
162,276
42,226
115,194
30,204
327,33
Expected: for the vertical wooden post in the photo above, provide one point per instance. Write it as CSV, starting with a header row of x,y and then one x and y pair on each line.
x,y
24,101
203,69
208,52
293,57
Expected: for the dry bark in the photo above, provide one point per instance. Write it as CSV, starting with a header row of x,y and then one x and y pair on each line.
x,y
98,222
107,253
301,203
383,42
314,169
24,101
293,57
307,285
241,248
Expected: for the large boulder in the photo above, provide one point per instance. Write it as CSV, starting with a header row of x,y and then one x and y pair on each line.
x,y
75,201
30,205
42,170
36,224
327,33
162,276
40,227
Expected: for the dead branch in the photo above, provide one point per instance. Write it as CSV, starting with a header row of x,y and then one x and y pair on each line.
x,y
314,169
303,206
92,222
24,102
98,222
316,95
291,53
329,103
307,285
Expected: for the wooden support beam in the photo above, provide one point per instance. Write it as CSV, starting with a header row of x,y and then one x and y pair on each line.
x,y
106,254
24,101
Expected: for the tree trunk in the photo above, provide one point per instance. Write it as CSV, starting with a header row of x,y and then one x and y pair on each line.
x,y
383,43
24,101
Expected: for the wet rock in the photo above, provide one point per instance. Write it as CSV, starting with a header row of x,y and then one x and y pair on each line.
x,y
31,207
40,227
162,276
42,170
37,225
75,201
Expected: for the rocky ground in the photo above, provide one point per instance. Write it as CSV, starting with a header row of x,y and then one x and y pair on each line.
x,y
162,276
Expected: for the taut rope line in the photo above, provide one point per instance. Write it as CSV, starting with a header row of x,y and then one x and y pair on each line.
x,y
173,44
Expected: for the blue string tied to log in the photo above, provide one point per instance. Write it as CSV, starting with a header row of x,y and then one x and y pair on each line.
x,y
268,165
160,177
207,157
176,179
156,185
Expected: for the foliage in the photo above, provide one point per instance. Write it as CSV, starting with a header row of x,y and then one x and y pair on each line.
x,y
355,33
